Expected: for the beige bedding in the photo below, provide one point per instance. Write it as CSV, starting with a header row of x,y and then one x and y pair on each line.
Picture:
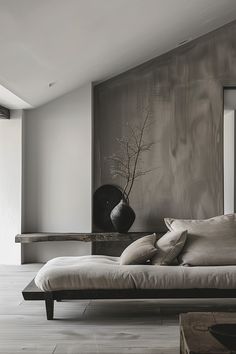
x,y
104,272
210,242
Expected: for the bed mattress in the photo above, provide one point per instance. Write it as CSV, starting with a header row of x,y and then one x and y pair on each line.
x,y
104,272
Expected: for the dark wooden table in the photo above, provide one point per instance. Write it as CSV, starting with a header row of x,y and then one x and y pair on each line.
x,y
195,337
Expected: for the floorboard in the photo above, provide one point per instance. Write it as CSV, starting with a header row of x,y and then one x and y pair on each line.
x,y
89,326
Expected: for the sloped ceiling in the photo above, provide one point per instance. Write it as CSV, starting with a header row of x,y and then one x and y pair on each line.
x,y
70,42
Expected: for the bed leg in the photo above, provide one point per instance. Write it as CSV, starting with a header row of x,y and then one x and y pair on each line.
x,y
49,303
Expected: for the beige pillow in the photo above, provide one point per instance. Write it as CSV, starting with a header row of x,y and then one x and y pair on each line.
x,y
168,247
210,242
140,251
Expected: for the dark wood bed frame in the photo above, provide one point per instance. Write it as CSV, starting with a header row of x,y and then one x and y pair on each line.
x,y
32,292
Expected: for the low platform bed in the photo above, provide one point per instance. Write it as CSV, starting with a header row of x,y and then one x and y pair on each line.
x,y
32,292
195,259
103,277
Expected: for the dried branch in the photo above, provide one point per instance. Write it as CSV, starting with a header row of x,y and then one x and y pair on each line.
x,y
125,164
120,173
142,173
118,160
146,147
138,153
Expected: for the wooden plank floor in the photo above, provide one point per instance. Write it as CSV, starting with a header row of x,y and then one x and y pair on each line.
x,y
89,327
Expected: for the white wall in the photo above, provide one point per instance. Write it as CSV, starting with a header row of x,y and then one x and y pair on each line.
x,y
229,158
10,187
57,172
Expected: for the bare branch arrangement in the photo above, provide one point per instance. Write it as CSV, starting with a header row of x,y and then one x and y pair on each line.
x,y
126,164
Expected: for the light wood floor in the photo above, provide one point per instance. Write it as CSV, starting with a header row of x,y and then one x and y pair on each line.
x,y
88,327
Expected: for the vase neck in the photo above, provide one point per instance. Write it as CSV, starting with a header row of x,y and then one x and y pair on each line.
x,y
125,201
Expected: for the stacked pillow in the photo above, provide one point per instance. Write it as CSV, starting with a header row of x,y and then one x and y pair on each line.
x,y
161,251
209,242
140,251
169,247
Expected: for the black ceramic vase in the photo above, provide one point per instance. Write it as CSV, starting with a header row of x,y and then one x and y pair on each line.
x,y
122,216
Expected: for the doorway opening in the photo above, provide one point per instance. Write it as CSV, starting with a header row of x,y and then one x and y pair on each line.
x,y
229,150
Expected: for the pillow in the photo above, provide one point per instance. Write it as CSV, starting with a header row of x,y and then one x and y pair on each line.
x,y
139,251
168,247
210,242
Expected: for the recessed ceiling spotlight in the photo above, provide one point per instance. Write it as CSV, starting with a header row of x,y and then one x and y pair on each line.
x,y
51,84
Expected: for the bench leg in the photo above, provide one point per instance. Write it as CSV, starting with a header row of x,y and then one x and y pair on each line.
x,y
49,303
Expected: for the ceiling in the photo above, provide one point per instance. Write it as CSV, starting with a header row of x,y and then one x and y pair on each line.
x,y
71,42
